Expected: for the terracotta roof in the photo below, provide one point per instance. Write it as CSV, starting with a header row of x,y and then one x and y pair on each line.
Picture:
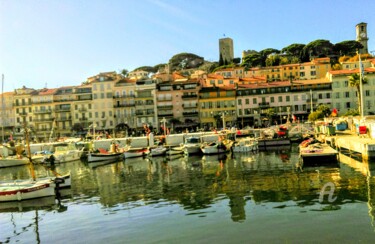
x,y
47,91
350,71
265,84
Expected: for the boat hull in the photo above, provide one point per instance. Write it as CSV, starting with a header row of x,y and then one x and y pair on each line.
x,y
25,190
96,157
135,152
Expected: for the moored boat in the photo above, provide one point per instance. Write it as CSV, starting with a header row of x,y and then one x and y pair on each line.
x,y
245,144
23,190
217,147
157,151
192,145
133,152
103,155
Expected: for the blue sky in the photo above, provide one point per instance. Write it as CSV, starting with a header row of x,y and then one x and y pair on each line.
x,y
53,43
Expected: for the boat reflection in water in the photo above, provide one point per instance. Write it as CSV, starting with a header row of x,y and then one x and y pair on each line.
x,y
260,190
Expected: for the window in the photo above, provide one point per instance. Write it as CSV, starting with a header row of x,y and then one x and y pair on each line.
x,y
337,95
287,98
347,94
347,105
272,99
313,73
280,99
346,83
239,101
367,93
247,101
254,101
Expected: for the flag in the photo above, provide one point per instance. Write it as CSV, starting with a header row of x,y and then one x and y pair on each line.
x,y
334,112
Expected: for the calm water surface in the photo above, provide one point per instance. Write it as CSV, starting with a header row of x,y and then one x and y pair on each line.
x,y
254,198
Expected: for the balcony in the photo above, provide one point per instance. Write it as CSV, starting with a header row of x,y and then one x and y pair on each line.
x,y
43,111
63,119
123,105
62,109
160,99
82,110
192,113
165,114
165,107
22,114
264,105
123,96
190,96
44,120
83,119
189,105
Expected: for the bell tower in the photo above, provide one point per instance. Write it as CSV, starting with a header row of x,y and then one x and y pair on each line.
x,y
361,36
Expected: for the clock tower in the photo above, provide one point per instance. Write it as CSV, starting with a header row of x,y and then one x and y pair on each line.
x,y
361,36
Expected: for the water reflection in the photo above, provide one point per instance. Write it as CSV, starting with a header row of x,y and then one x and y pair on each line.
x,y
197,182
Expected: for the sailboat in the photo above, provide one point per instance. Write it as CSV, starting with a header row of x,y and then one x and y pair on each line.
x,y
27,189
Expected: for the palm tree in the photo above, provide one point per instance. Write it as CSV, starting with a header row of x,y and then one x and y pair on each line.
x,y
354,81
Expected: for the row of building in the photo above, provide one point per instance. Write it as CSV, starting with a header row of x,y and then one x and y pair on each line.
x,y
229,97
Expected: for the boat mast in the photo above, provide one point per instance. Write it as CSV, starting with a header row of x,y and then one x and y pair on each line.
x,y
31,166
2,106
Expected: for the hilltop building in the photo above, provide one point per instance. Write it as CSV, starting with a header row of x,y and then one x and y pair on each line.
x,y
226,49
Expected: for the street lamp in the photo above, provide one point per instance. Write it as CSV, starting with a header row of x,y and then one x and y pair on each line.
x,y
93,126
163,121
223,117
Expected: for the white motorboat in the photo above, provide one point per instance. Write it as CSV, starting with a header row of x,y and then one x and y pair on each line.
x,y
192,145
245,144
217,147
63,152
157,151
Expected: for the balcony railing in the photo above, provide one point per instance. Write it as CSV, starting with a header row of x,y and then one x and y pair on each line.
x,y
165,107
123,105
195,113
189,96
264,105
164,99
45,111
62,109
168,114
189,105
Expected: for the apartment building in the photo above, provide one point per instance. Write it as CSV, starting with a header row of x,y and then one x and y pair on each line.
x,y
344,97
7,118
124,105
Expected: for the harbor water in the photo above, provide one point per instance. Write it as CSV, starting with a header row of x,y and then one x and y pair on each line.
x,y
261,197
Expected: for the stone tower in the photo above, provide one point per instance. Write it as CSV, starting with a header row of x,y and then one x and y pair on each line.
x,y
361,36
226,49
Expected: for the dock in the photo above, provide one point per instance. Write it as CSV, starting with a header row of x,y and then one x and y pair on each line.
x,y
352,143
317,156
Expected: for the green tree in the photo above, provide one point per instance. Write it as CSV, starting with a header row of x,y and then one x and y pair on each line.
x,y
293,49
355,81
273,60
252,60
317,48
347,48
124,72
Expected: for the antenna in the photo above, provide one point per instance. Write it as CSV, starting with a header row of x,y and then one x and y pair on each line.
x,y
372,52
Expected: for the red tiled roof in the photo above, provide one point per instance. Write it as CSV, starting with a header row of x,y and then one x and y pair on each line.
x,y
350,71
